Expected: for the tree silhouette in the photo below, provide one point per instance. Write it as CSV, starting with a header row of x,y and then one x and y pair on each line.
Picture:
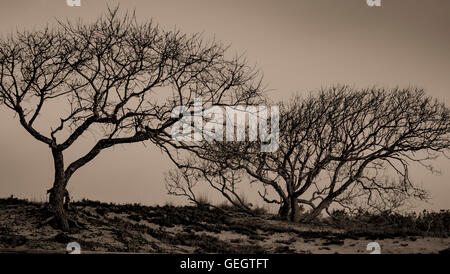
x,y
338,146
117,77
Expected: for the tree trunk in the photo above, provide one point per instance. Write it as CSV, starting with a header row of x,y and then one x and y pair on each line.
x,y
295,210
316,211
283,212
58,191
289,210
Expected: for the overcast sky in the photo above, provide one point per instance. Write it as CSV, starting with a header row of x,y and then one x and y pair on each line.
x,y
299,45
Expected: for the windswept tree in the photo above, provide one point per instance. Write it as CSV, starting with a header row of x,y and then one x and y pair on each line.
x,y
344,147
116,77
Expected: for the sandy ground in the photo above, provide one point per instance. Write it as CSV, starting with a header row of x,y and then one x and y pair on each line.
x,y
187,230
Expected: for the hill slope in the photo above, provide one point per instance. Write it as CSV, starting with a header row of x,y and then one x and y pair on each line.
x,y
135,228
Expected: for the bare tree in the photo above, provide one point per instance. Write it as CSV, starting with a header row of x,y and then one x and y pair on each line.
x,y
116,77
343,146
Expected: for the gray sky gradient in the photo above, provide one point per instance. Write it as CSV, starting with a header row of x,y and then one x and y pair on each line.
x,y
300,45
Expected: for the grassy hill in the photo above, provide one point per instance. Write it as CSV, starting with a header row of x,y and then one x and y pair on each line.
x,y
102,227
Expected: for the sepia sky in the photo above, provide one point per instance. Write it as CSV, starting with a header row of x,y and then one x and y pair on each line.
x,y
299,45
